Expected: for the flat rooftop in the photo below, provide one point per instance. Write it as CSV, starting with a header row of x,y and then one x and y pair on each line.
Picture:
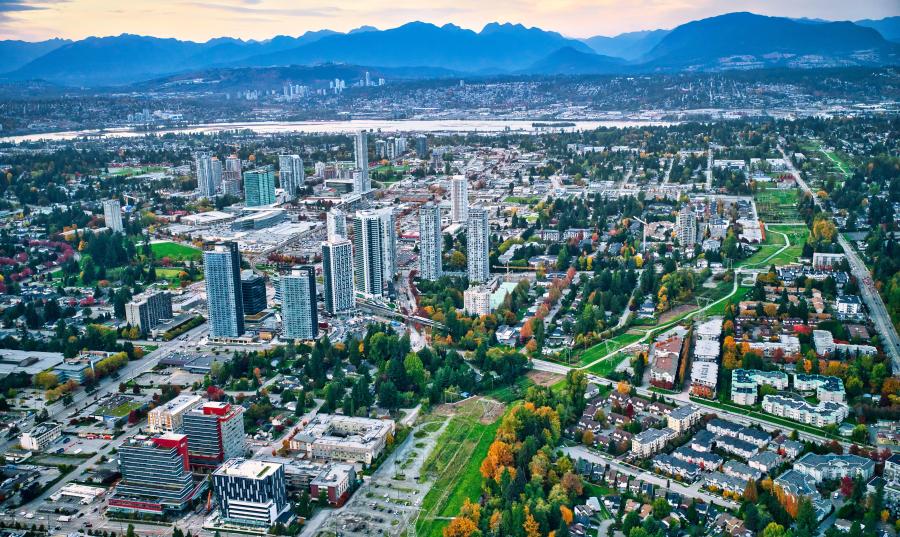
x,y
248,468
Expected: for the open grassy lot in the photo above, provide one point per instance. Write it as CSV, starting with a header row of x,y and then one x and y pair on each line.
x,y
508,394
719,308
175,251
522,200
777,204
118,411
455,463
771,253
610,345
608,366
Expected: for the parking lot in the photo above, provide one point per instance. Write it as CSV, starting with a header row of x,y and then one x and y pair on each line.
x,y
388,502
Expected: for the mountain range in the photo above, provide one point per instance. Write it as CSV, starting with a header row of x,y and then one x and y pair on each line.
x,y
418,49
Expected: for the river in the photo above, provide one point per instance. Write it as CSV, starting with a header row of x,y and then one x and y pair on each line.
x,y
347,126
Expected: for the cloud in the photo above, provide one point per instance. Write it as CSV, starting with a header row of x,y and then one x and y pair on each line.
x,y
244,8
7,6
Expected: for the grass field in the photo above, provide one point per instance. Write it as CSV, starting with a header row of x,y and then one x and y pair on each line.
x,y
118,411
610,345
456,463
774,242
175,251
777,205
608,366
524,201
508,394
719,308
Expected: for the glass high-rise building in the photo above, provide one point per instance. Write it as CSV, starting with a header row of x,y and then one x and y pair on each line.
x,y
388,242
209,175
291,174
459,199
259,187
337,271
430,242
112,215
156,476
215,433
478,243
299,315
368,254
224,300
336,224
253,292
361,183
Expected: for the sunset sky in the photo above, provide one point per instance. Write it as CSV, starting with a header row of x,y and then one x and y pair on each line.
x,y
260,19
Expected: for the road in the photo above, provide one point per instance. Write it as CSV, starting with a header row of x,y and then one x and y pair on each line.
x,y
692,491
134,369
890,341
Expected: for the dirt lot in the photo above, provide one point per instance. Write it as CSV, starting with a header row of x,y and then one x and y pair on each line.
x,y
544,378
485,409
675,312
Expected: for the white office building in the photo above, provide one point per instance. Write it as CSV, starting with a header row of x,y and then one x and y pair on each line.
x,y
388,242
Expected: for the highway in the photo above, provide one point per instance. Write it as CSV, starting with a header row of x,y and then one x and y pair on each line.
x,y
890,341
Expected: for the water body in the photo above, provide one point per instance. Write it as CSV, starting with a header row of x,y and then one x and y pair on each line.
x,y
337,127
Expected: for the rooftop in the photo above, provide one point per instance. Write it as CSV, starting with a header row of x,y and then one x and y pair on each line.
x,y
248,468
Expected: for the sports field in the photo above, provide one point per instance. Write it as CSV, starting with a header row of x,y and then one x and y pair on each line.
x,y
175,251
118,411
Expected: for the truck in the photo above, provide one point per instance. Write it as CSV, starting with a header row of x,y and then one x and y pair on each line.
x,y
64,518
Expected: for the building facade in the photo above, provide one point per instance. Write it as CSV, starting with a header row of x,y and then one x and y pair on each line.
x,y
259,187
459,199
299,313
337,272
477,300
430,242
146,310
253,292
156,477
224,294
112,215
250,492
368,254
168,417
478,245
41,436
686,227
215,434
336,224
209,175
361,181
291,174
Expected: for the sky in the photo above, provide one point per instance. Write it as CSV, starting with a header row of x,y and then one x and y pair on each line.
x,y
200,20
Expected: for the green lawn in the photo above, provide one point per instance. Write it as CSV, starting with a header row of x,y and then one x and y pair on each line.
x,y
456,463
607,346
175,251
774,242
777,204
608,366
508,394
522,200
122,410
719,308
